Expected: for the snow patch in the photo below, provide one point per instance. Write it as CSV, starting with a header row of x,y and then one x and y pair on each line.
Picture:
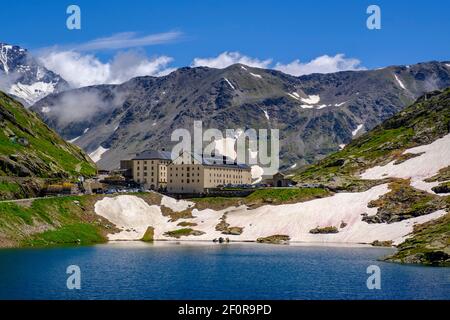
x,y
266,114
176,205
355,132
313,99
293,96
228,81
96,156
257,173
74,139
256,75
45,110
341,146
400,83
340,104
225,147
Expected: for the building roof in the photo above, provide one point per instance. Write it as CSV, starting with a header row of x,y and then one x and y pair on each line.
x,y
219,161
153,155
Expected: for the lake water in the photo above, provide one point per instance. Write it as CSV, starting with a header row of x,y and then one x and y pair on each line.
x,y
213,271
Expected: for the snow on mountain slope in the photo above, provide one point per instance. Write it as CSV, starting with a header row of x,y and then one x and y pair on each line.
x,y
25,78
96,156
32,93
432,157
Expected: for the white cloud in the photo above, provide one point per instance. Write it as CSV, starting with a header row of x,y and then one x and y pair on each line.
x,y
86,69
226,59
125,40
322,64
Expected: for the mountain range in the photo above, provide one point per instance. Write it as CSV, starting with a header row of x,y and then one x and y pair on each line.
x,y
316,114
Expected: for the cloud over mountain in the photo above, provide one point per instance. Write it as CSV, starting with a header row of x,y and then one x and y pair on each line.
x,y
81,69
322,64
226,59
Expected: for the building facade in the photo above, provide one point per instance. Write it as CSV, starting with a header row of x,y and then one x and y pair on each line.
x,y
191,173
150,169
188,173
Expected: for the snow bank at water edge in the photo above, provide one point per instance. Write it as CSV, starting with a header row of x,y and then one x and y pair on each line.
x,y
435,157
133,215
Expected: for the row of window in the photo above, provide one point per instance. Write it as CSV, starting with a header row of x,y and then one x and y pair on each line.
x,y
152,162
188,181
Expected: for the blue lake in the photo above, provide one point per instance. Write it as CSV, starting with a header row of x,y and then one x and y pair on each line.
x,y
213,271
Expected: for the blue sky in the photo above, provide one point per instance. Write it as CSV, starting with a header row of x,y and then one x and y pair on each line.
x,y
283,31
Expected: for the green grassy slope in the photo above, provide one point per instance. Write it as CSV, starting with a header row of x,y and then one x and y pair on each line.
x,y
30,149
66,220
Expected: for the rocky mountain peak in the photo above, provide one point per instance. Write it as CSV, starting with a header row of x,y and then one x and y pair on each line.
x,y
25,78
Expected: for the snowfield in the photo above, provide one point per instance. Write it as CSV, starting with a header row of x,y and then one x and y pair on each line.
x,y
96,156
32,93
435,157
133,215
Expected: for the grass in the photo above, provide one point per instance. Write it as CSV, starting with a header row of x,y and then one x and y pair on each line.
x,y
48,154
286,195
263,196
77,233
63,220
